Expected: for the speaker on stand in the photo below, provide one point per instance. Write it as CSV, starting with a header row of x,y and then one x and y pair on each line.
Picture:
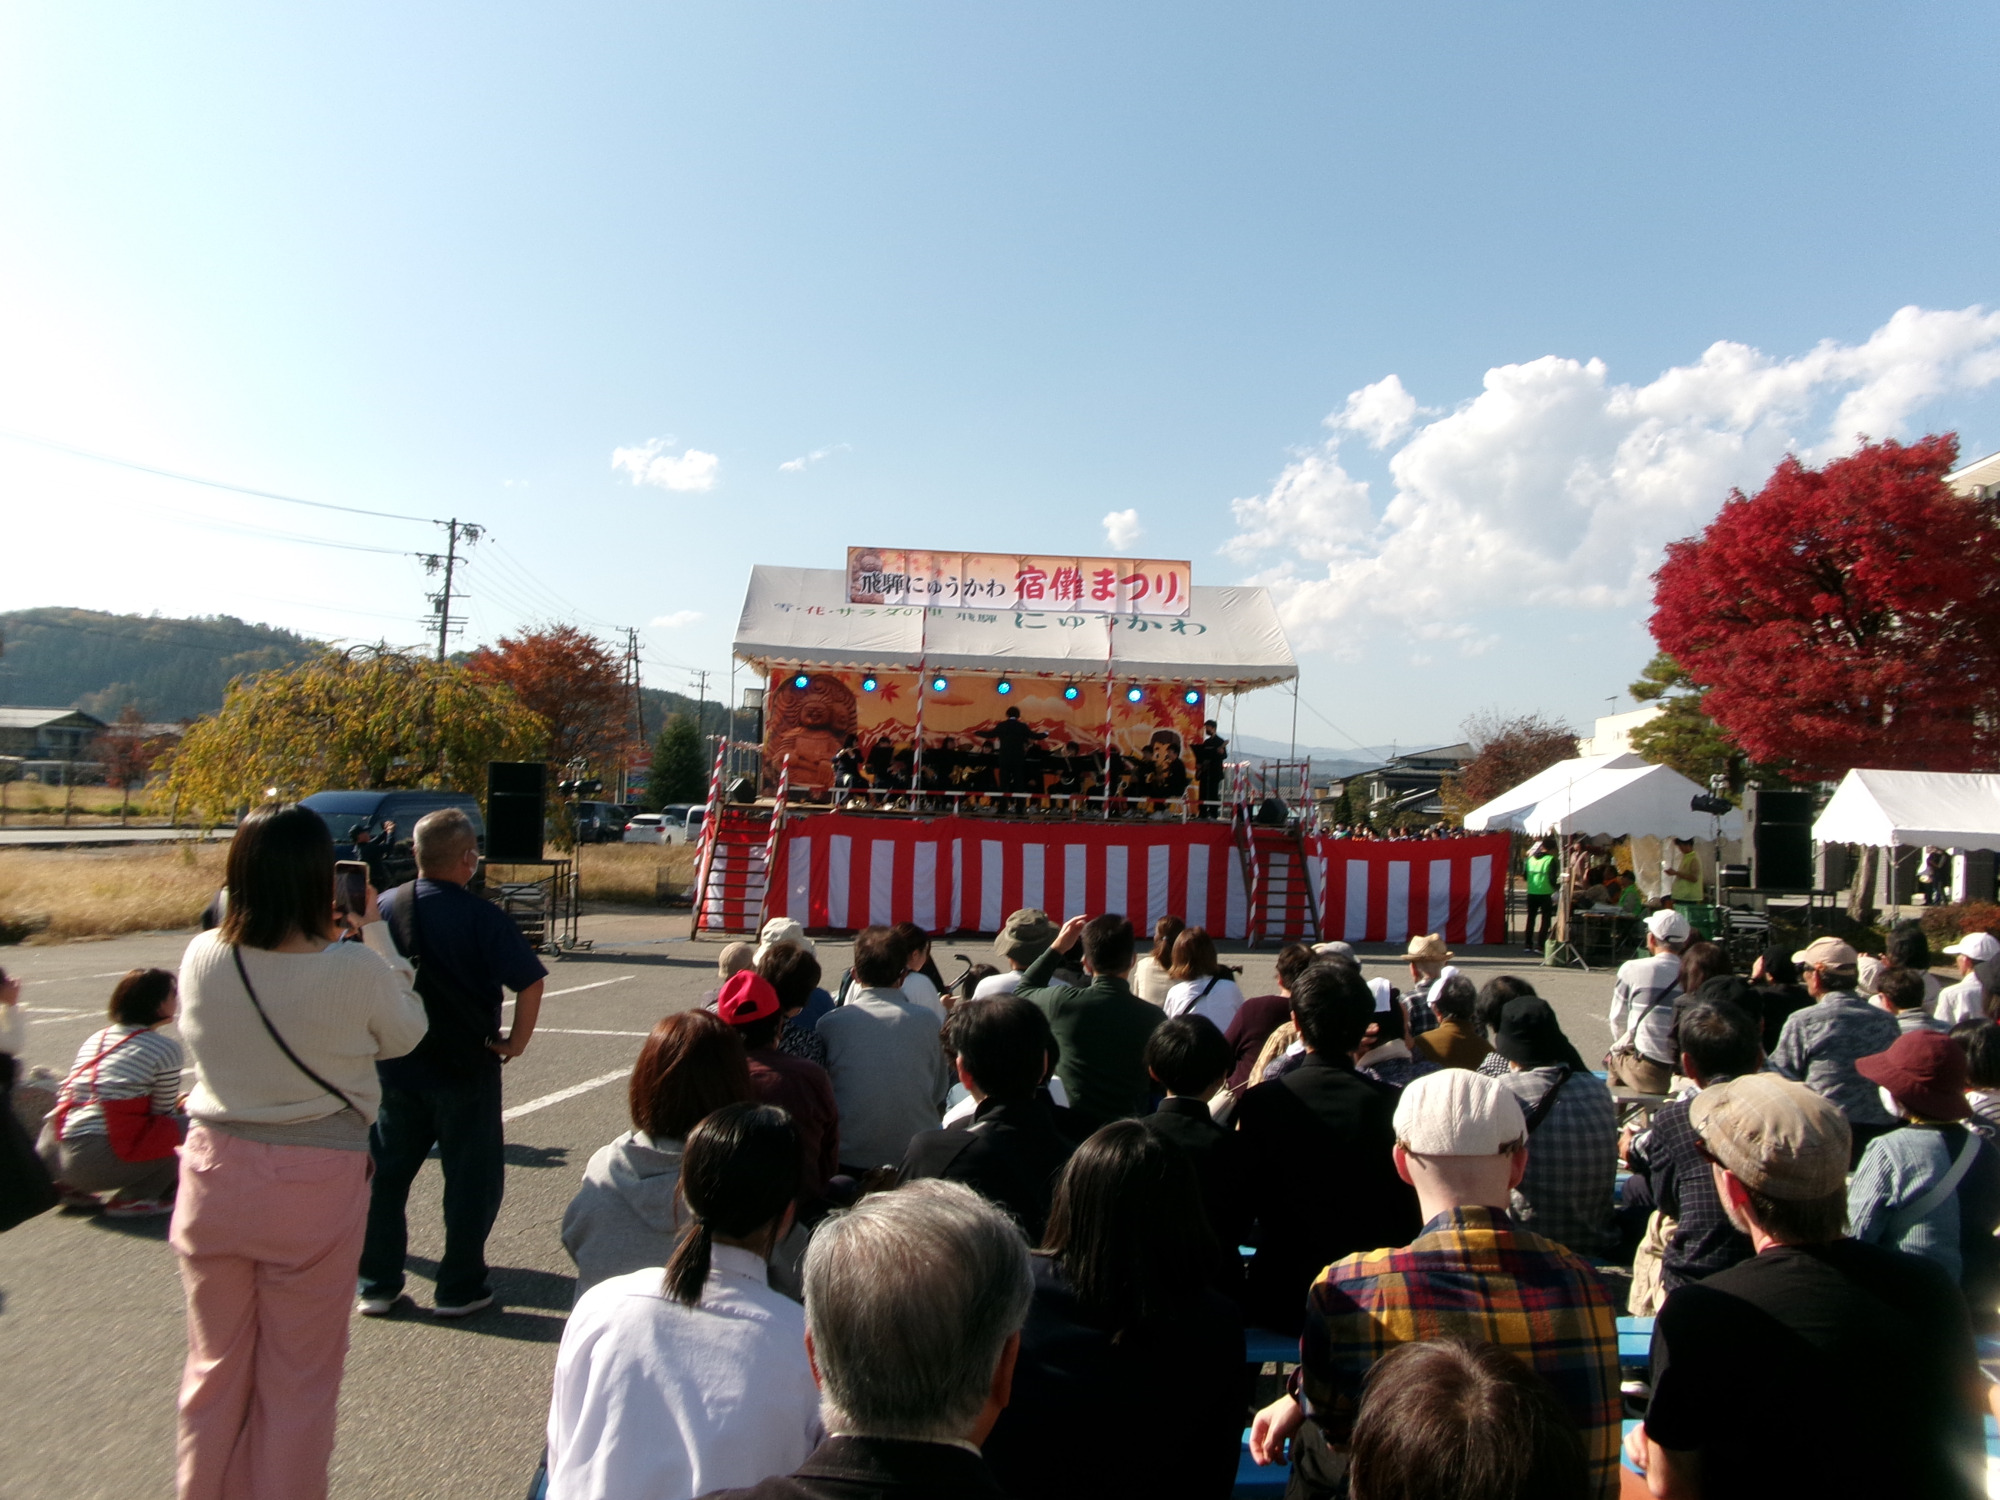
x,y
1778,829
517,793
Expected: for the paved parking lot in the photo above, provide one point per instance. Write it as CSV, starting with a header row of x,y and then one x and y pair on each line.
x,y
91,1336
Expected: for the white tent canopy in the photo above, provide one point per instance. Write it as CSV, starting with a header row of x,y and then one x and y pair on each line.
x,y
1887,809
1616,794
800,617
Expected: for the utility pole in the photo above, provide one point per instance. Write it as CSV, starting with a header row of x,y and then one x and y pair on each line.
x,y
638,708
700,676
455,529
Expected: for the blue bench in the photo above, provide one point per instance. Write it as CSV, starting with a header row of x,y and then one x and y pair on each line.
x,y
1255,1483
1263,1347
1635,1340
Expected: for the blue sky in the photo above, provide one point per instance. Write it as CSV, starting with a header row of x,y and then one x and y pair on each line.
x,y
1006,271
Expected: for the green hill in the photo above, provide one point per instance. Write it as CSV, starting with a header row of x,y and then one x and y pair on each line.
x,y
172,669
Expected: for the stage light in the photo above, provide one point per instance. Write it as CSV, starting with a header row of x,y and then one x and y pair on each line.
x,y
801,680
867,684
1003,687
1191,696
937,684
1072,693
1133,695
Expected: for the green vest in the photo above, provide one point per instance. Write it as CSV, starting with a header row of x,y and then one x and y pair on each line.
x,y
1541,874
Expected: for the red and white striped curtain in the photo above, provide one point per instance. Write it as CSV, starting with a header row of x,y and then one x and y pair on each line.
x,y
1374,891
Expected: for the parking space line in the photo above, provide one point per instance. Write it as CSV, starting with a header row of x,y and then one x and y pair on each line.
x,y
561,1094
580,988
579,1031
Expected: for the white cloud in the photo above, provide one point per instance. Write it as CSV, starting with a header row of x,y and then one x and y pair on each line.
x,y
677,619
1556,487
652,464
799,464
1122,529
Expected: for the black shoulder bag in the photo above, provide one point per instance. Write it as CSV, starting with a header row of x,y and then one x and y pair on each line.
x,y
283,1046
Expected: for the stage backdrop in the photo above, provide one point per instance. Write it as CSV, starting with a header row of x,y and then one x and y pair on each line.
x,y
843,871
810,723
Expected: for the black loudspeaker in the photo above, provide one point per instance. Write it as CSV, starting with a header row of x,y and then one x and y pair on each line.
x,y
1272,813
517,795
1779,828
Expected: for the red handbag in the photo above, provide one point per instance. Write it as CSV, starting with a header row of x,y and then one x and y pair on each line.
x,y
135,1132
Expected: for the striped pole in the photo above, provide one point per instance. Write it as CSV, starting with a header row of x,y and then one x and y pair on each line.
x,y
706,856
771,840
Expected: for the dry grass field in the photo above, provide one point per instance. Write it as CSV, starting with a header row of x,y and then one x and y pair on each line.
x,y
55,895
630,874
29,804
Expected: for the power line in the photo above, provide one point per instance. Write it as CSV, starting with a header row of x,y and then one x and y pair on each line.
x,y
214,484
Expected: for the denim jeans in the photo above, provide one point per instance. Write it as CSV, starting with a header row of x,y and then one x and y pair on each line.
x,y
463,1122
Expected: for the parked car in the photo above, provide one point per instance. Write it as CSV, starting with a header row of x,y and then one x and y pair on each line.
x,y
344,811
646,828
599,822
682,822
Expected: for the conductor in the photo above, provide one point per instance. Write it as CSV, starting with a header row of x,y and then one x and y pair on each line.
x,y
1011,740
1210,754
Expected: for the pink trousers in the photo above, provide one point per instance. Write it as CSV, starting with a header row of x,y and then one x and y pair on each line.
x,y
269,1239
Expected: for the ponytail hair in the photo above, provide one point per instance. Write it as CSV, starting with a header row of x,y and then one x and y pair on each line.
x,y
739,1171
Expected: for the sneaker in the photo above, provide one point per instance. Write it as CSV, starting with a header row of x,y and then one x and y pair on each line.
x,y
138,1208
463,1309
376,1307
76,1200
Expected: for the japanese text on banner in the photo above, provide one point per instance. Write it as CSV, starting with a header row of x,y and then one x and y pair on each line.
x,y
1001,581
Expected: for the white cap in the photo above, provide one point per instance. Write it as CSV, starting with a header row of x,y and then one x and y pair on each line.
x,y
1980,947
1344,950
1457,1112
784,930
1669,926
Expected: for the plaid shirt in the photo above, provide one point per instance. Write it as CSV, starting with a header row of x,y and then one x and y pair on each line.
x,y
1566,1194
796,1041
1422,1017
1704,1241
1470,1273
1820,1045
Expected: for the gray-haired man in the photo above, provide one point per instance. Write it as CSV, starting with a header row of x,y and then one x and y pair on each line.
x,y
914,1306
447,1092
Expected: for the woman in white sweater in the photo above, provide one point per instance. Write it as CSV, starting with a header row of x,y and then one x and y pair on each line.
x,y
284,1025
1203,984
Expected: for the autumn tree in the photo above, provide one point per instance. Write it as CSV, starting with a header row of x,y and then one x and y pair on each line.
x,y
127,753
1845,616
574,685
1507,750
365,719
678,773
1684,737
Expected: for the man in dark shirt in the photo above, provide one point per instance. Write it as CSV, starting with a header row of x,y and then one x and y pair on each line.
x,y
1101,1028
1718,1042
1011,739
1820,1366
1317,1148
446,1094
1189,1059
1009,1151
1211,753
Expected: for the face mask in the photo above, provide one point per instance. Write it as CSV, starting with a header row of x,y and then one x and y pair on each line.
x,y
1889,1103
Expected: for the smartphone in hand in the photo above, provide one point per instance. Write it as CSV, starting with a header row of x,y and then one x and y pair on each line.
x,y
350,885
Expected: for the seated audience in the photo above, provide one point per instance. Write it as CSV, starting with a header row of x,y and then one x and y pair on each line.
x,y
1718,1043
1125,1336
1188,1058
1471,1272
1427,957
1566,1194
1384,1052
1263,1014
777,935
676,1381
751,1007
889,1069
914,1305
734,958
116,1127
1907,949
1769,1377
1203,984
1819,1045
1151,974
1642,1008
1454,1041
1100,1028
1901,993
794,973
1774,981
1930,1187
626,1216
1008,1150
1493,998
1316,1148
1024,938
1465,1420
1980,1042
922,983
1966,1000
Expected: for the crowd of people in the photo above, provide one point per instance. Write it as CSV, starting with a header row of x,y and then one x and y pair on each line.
x,y
873,1235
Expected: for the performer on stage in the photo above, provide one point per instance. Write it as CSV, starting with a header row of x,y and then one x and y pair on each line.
x,y
1210,754
1011,739
1167,776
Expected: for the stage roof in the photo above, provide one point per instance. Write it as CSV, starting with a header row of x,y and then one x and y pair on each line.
x,y
800,617
1614,794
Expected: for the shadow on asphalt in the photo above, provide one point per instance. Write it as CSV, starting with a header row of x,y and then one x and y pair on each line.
x,y
531,1306
154,1228
518,1155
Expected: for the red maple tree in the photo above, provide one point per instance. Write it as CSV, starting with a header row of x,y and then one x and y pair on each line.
x,y
573,683
1845,616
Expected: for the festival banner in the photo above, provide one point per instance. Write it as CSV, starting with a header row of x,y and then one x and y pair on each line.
x,y
1032,582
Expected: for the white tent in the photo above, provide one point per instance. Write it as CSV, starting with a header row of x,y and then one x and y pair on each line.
x,y
800,617
1622,795
1887,809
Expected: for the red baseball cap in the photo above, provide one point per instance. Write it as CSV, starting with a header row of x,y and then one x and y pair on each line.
x,y
746,999
1925,1070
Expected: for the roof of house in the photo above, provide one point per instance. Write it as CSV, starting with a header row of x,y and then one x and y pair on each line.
x,y
1979,479
41,718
